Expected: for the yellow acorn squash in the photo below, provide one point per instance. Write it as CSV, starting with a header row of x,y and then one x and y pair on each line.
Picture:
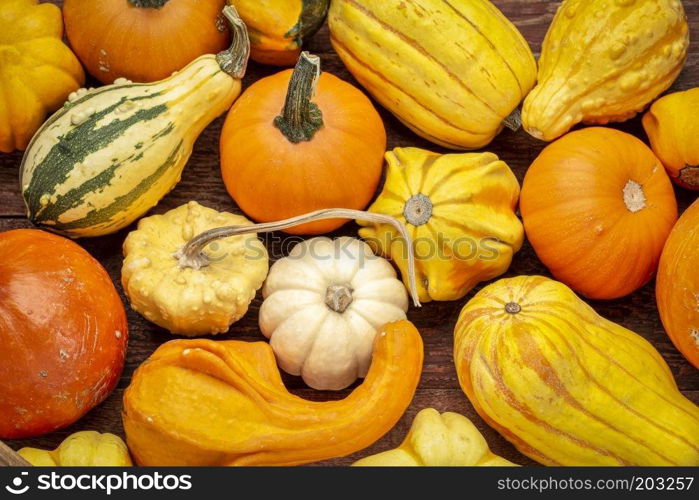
x,y
459,210
82,449
566,386
604,61
451,71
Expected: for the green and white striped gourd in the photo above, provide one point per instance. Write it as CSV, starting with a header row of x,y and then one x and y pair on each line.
x,y
110,154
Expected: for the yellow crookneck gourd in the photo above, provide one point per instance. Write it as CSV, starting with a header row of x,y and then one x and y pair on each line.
x,y
185,299
435,439
453,72
566,386
111,153
82,449
206,403
604,61
460,212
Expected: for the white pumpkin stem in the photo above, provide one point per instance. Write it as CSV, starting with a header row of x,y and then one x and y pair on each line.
x,y
234,60
192,254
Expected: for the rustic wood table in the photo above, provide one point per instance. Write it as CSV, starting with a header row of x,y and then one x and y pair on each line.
x,y
439,387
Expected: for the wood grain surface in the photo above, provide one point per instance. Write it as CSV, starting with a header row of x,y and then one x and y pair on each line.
x,y
439,387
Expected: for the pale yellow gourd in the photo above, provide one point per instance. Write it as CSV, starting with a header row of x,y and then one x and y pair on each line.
x,y
604,61
435,439
82,449
190,300
460,212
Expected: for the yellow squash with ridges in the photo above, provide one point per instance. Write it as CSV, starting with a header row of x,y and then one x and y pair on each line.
x,y
604,61
452,71
566,386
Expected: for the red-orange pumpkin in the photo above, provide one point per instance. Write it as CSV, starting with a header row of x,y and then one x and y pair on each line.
x,y
63,333
598,206
143,40
677,286
286,154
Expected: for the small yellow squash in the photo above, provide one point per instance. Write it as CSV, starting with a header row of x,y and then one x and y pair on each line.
x,y
566,386
192,300
37,70
460,212
435,439
604,61
82,449
673,128
451,71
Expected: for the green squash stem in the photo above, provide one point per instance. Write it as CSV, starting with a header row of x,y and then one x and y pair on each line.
x,y
148,4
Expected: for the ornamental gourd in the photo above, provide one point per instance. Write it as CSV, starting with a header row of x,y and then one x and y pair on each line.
x,y
447,439
206,403
677,286
323,305
459,209
604,61
143,40
82,449
112,153
566,386
672,131
277,28
63,333
37,70
597,207
192,300
453,72
300,141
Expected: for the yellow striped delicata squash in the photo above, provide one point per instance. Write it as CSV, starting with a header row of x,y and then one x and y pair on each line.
x,y
112,153
566,386
451,70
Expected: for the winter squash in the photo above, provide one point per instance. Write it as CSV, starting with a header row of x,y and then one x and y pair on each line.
x,y
63,333
677,286
672,130
566,386
82,449
446,439
453,72
459,209
38,70
605,61
277,28
182,299
283,152
323,305
205,403
143,40
112,153
597,207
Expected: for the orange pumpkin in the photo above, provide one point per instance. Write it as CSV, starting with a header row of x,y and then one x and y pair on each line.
x,y
677,286
63,333
597,208
143,40
288,153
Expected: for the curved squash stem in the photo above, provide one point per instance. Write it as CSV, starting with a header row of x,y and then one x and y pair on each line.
x,y
301,118
192,254
514,121
234,60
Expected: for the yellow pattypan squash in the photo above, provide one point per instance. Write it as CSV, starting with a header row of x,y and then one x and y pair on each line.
x,y
82,449
37,70
435,439
200,300
460,212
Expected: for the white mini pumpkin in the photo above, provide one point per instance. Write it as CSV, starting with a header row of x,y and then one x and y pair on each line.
x,y
323,305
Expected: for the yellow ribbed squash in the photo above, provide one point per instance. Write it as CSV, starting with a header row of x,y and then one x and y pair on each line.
x,y
566,386
604,61
435,439
82,449
452,71
460,212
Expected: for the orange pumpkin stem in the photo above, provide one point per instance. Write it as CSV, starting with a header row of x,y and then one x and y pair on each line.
x,y
234,60
301,118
